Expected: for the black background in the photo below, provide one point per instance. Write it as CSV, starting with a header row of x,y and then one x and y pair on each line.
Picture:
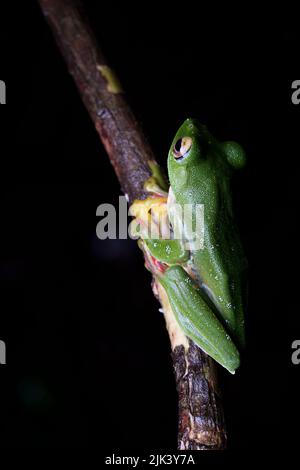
x,y
88,357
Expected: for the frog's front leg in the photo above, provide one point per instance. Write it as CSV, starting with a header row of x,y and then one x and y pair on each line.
x,y
153,226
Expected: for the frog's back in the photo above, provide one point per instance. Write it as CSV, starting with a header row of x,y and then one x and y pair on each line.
x,y
202,176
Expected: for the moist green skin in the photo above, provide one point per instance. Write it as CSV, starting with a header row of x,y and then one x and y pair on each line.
x,y
188,304
204,286
203,177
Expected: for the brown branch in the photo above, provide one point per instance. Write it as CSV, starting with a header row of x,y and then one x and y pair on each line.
x,y
201,423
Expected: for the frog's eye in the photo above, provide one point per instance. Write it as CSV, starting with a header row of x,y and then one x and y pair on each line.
x,y
182,147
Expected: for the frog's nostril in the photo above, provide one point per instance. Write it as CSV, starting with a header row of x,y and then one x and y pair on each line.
x,y
182,146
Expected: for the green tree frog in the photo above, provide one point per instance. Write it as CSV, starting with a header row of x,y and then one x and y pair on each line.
x,y
202,281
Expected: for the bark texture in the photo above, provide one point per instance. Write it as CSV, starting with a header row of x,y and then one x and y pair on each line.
x,y
201,421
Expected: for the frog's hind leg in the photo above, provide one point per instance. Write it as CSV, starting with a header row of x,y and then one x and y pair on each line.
x,y
196,318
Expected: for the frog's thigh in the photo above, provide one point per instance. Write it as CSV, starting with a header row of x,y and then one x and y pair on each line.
x,y
196,318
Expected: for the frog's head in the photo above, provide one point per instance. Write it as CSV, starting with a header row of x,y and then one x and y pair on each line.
x,y
193,145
